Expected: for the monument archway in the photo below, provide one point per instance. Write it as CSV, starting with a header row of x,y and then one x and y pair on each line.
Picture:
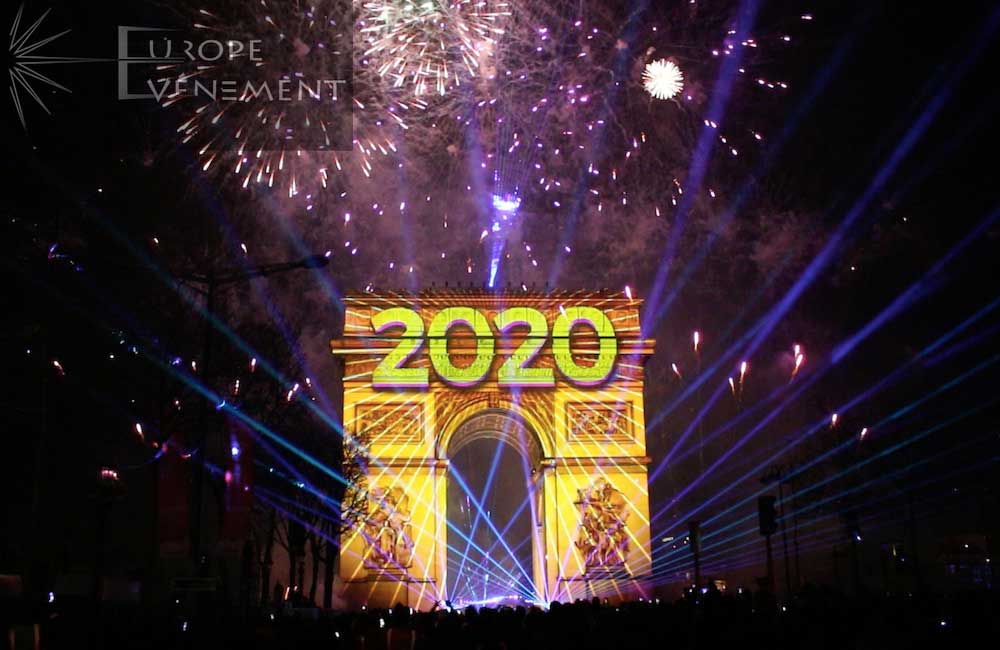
x,y
558,376
467,551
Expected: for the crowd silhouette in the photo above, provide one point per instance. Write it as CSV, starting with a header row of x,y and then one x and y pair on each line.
x,y
816,618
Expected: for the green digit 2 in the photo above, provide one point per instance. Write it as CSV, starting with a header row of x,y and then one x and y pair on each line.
x,y
515,371
390,373
438,332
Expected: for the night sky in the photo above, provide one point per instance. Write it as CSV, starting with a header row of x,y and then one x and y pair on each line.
x,y
861,226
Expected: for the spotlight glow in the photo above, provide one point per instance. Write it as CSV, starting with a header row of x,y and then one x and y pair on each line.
x,y
506,204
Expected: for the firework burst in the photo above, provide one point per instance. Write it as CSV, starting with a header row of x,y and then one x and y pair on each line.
x,y
430,46
294,119
663,79
562,129
553,116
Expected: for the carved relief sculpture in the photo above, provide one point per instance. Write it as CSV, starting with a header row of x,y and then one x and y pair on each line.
x,y
388,424
603,538
599,422
387,530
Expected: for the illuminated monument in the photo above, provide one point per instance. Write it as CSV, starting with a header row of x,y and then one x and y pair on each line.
x,y
558,376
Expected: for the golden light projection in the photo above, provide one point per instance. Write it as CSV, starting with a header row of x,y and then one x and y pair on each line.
x,y
558,376
603,537
387,529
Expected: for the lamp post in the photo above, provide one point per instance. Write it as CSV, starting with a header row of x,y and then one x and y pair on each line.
x,y
777,474
694,541
209,285
109,490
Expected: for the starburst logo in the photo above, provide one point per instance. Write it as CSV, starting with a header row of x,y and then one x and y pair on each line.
x,y
25,62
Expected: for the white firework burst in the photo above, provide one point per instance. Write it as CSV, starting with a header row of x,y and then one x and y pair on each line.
x,y
430,45
662,79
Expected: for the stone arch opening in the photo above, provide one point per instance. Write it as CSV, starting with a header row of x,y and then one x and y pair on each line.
x,y
492,508
498,424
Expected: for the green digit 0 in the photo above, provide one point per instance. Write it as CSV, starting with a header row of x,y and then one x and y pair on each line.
x,y
437,333
607,345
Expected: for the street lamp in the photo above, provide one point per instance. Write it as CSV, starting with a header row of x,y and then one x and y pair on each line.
x,y
108,482
109,489
778,474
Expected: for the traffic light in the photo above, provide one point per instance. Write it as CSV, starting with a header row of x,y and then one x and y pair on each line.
x,y
767,518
